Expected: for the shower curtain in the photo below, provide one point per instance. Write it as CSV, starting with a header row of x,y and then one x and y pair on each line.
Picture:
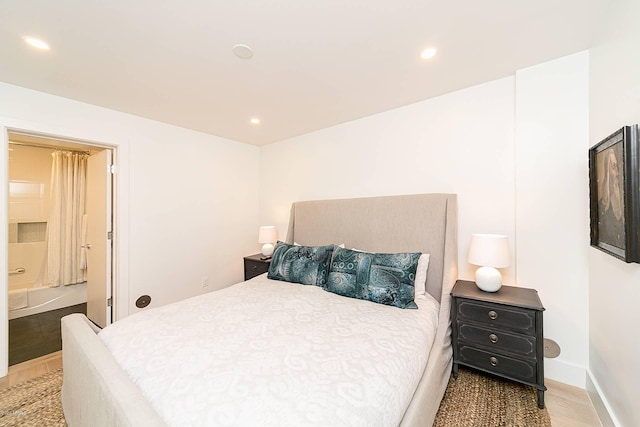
x,y
64,230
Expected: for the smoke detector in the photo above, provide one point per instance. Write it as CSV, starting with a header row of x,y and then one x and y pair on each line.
x,y
242,51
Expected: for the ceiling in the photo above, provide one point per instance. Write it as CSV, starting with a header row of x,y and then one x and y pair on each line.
x,y
315,64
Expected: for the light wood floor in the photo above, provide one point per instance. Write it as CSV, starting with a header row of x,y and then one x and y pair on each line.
x,y
567,405
32,368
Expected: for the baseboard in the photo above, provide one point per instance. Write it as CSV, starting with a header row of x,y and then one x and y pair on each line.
x,y
578,376
600,403
564,372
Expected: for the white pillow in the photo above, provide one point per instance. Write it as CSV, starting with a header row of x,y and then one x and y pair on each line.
x,y
420,282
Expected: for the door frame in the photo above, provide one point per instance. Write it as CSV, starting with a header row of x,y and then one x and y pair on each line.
x,y
118,287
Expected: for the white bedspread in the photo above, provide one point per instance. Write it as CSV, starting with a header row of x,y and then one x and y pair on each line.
x,y
268,353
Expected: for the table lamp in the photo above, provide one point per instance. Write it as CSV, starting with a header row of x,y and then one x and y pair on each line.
x,y
267,235
490,252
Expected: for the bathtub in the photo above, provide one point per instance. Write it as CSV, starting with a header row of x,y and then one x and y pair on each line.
x,y
27,295
36,299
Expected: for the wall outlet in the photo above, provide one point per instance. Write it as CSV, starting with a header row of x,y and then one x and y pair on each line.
x,y
205,281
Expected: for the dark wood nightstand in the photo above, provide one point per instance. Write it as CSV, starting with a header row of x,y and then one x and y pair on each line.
x,y
499,332
254,266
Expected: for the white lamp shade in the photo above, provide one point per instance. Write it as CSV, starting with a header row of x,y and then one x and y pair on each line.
x,y
490,252
268,234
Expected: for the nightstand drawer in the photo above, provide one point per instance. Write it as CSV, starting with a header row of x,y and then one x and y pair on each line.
x,y
522,370
499,340
254,268
498,316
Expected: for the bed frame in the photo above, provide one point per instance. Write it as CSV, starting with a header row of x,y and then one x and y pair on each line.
x,y
97,392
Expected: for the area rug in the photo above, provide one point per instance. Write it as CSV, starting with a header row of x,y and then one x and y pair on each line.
x,y
33,403
481,400
473,400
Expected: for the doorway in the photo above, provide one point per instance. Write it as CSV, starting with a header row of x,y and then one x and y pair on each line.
x,y
57,265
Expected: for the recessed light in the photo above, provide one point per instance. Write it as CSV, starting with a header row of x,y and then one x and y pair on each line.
x,y
428,53
255,121
37,43
243,51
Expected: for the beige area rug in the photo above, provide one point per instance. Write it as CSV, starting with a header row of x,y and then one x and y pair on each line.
x,y
481,400
473,400
35,402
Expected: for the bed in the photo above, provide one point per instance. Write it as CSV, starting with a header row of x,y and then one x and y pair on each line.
x,y
105,386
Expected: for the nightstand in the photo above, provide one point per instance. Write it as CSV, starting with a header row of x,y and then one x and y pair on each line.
x,y
499,333
254,266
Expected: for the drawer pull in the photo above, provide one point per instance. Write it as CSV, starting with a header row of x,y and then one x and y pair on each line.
x,y
493,315
255,267
493,361
493,338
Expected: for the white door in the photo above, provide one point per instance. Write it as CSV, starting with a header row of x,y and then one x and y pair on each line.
x,y
98,242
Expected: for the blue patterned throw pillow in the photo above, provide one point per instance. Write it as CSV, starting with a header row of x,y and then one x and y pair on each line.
x,y
382,278
308,265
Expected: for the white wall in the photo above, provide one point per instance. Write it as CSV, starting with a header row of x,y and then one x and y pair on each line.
x,y
187,202
552,193
458,143
614,285
464,142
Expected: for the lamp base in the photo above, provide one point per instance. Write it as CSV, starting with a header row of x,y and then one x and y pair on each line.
x,y
488,279
267,249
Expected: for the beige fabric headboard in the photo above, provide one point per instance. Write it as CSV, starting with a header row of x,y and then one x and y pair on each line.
x,y
424,223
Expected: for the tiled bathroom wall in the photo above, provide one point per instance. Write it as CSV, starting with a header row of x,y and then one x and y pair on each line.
x,y
29,178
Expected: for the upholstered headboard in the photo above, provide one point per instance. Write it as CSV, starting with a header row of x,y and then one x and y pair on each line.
x,y
424,223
